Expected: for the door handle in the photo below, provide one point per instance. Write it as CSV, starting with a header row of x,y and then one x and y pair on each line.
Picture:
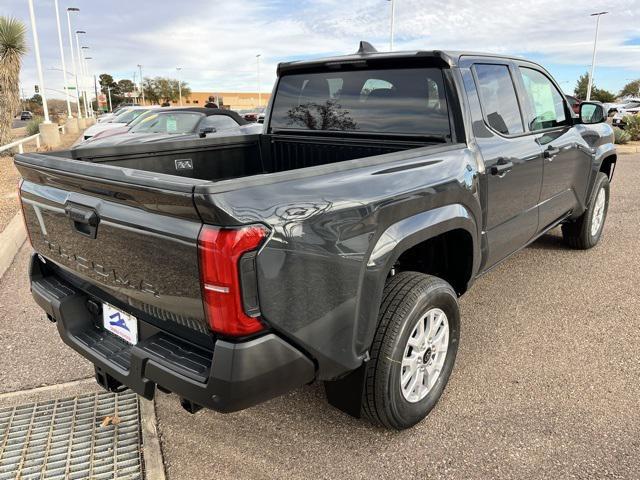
x,y
551,152
501,167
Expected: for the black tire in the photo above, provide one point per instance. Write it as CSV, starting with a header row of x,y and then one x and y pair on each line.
x,y
577,234
407,296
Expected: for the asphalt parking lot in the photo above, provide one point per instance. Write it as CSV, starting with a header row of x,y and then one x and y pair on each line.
x,y
546,383
17,123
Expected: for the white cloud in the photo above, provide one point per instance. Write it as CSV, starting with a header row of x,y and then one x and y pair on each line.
x,y
216,42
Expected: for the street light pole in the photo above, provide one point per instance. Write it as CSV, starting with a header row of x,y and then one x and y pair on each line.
x,y
593,57
87,79
73,59
179,69
64,68
391,26
36,48
141,83
259,90
109,94
81,73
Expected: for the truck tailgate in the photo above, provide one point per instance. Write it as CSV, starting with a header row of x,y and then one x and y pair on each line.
x,y
130,234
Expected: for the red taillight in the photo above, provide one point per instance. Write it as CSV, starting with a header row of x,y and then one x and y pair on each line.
x,y
220,250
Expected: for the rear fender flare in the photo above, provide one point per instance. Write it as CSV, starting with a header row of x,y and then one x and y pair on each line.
x,y
396,239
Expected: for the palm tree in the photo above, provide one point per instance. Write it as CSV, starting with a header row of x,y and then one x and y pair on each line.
x,y
13,46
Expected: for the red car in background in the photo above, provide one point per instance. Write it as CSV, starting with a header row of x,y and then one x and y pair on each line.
x,y
574,103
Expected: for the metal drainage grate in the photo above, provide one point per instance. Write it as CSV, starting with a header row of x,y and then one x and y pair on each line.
x,y
65,439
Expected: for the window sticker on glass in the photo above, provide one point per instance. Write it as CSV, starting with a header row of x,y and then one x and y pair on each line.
x,y
172,125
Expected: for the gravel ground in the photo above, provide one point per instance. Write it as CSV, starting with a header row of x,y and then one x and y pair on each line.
x,y
9,181
545,386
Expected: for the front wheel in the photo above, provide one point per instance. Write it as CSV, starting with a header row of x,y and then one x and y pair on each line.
x,y
413,351
585,232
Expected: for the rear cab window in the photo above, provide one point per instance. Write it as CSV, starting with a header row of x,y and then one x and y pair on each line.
x,y
407,101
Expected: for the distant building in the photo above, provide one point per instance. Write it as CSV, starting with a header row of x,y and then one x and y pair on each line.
x,y
230,100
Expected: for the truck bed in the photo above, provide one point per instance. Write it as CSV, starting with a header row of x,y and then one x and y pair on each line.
x,y
235,157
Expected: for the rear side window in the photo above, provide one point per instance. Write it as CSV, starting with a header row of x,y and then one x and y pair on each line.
x,y
498,99
546,102
409,101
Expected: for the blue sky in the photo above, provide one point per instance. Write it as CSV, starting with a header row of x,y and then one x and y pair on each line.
x,y
215,42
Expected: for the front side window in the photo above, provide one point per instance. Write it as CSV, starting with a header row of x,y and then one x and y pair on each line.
x,y
407,101
498,99
547,104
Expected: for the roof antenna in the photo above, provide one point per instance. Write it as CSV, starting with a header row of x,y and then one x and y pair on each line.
x,y
366,47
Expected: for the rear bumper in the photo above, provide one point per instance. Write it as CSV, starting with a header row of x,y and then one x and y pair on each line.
x,y
231,377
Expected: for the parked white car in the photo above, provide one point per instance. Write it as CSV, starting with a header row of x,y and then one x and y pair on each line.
x,y
618,118
612,108
120,120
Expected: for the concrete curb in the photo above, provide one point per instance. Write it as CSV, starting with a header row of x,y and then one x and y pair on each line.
x,y
153,461
11,239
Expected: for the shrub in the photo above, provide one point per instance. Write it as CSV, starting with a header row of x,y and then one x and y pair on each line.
x,y
33,126
620,136
632,126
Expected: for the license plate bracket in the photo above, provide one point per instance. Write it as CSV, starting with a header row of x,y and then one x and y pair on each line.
x,y
120,323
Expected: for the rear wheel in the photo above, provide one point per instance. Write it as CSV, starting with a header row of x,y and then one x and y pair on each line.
x,y
414,350
585,232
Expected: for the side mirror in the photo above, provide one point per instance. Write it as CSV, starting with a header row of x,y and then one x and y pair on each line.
x,y
204,130
591,112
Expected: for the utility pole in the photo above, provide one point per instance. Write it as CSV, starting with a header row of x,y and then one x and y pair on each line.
x,y
593,57
73,62
81,78
88,80
95,87
141,83
109,93
259,91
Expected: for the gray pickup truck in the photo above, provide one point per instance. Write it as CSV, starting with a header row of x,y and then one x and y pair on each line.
x,y
332,247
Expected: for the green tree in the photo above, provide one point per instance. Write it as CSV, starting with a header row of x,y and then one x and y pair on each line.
x,y
631,89
126,86
601,95
106,82
13,47
581,86
161,89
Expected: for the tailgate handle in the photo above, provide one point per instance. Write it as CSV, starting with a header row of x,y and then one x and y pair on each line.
x,y
83,220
